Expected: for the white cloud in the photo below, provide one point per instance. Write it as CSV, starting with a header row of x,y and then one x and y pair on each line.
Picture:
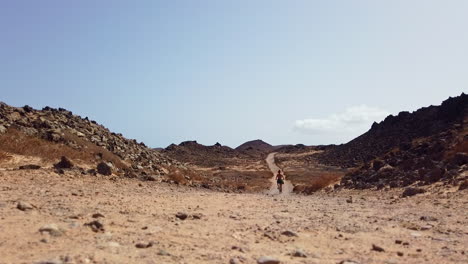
x,y
355,119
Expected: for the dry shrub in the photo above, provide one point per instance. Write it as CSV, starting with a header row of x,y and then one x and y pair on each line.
x,y
17,142
178,175
243,180
318,182
4,156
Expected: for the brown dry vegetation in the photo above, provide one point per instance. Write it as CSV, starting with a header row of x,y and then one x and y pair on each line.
x,y
232,180
4,156
17,142
308,184
243,180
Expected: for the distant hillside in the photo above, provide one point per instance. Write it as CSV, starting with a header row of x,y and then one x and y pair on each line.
x,y
398,130
255,145
51,133
218,155
197,154
425,146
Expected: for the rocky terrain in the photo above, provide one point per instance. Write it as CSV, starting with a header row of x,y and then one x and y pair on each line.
x,y
205,156
75,218
51,133
419,148
400,132
71,191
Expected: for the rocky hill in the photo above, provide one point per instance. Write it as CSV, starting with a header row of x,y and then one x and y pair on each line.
x,y
51,133
206,156
399,131
257,144
426,146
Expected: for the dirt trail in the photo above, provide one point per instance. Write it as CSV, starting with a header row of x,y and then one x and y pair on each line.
x,y
287,186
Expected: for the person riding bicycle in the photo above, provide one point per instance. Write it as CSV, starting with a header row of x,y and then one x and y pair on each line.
x,y
280,180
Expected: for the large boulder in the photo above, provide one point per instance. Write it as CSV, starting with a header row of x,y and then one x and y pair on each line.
x,y
64,163
104,168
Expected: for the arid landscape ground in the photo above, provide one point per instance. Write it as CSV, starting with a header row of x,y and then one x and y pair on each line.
x,y
71,191
153,222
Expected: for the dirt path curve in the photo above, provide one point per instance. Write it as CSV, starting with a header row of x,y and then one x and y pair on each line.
x,y
287,187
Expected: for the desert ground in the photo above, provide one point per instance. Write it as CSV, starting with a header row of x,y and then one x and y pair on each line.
x,y
72,218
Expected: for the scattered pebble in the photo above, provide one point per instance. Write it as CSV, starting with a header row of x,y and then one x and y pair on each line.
x,y
144,245
96,226
162,252
267,260
348,262
25,206
97,215
377,248
181,215
289,233
299,253
52,229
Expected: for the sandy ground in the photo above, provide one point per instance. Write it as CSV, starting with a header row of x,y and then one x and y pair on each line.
x,y
287,186
221,227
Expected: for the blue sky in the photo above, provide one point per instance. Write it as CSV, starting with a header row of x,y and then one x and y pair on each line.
x,y
312,72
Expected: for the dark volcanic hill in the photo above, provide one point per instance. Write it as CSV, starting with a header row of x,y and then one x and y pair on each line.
x,y
218,155
425,146
258,145
206,156
400,130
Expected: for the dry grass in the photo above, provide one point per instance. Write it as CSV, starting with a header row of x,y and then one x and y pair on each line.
x,y
309,182
16,142
243,180
4,156
233,180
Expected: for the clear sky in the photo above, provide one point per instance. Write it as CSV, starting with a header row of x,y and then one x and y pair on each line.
x,y
312,72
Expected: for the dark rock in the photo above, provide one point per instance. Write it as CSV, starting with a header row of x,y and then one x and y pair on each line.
x,y
411,191
104,169
91,172
27,109
144,245
377,248
460,159
96,226
434,175
289,233
25,206
181,215
29,167
149,178
97,215
377,164
428,218
64,163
